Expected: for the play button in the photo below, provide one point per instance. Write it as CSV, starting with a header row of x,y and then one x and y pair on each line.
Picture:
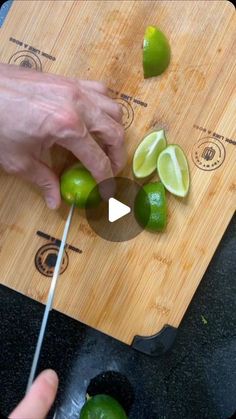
x,y
117,210
114,219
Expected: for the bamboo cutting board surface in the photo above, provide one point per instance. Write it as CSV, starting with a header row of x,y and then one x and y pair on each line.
x,y
135,287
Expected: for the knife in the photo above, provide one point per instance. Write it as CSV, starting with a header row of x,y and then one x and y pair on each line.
x,y
50,298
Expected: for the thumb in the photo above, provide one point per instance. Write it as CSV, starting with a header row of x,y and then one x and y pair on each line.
x,y
42,176
40,397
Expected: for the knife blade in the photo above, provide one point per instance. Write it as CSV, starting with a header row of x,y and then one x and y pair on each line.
x,y
50,298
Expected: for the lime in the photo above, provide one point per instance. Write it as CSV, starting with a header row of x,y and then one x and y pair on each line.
x,y
145,156
79,187
102,407
172,167
156,52
150,207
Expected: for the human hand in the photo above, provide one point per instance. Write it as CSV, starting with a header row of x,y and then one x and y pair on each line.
x,y
38,110
38,401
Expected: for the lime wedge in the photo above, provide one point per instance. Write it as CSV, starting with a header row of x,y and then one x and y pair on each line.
x,y
145,156
172,167
156,52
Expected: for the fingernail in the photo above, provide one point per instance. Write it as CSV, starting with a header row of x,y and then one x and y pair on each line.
x,y
51,203
51,377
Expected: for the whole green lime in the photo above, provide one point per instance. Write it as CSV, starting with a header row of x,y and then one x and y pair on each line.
x,y
102,407
150,207
79,187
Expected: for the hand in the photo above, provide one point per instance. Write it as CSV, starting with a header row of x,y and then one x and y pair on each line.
x,y
39,399
38,110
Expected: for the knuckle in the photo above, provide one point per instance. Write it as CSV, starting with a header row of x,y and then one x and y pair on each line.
x,y
70,90
82,132
15,167
118,109
65,119
11,170
119,135
103,88
74,91
45,184
104,165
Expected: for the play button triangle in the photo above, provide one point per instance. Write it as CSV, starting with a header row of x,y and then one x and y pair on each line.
x,y
117,210
114,219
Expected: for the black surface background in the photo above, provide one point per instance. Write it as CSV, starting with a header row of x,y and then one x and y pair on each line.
x,y
196,379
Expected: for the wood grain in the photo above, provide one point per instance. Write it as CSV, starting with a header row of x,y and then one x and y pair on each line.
x,y
135,287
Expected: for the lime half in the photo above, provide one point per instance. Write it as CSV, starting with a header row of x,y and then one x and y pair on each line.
x,y
172,167
156,52
150,207
145,156
102,406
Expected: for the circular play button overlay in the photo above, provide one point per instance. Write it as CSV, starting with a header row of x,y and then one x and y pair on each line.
x,y
114,218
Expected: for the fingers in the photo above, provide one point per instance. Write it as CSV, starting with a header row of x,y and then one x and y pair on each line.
x,y
37,173
101,116
99,96
104,119
42,176
94,85
110,107
39,399
91,155
111,135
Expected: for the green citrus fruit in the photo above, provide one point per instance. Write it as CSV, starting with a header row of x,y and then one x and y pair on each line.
x,y
145,156
156,52
150,207
79,187
172,167
102,407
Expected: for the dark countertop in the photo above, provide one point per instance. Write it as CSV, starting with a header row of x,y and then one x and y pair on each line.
x,y
196,379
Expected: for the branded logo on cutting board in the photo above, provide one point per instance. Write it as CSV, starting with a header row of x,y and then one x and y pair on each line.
x,y
29,56
46,255
26,59
208,153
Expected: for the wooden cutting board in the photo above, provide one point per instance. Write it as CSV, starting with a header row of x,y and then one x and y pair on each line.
x,y
137,287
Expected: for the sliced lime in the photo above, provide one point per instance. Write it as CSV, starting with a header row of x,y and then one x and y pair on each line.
x,y
150,207
172,167
156,52
145,156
